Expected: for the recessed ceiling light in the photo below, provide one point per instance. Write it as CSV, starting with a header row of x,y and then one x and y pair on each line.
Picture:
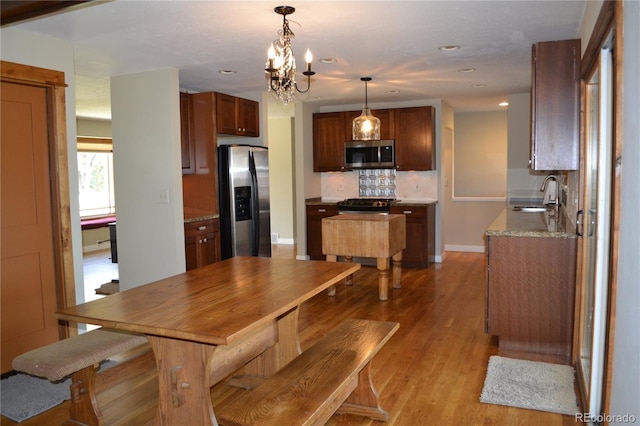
x,y
466,70
503,104
449,48
328,60
477,86
227,72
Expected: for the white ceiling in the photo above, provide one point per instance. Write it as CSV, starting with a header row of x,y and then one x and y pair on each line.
x,y
395,42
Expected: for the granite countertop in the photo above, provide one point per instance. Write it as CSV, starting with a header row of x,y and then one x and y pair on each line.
x,y
195,215
531,224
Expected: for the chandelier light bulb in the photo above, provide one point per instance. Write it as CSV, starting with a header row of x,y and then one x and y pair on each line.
x,y
281,65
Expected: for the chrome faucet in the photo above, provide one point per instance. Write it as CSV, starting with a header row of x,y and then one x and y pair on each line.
x,y
550,190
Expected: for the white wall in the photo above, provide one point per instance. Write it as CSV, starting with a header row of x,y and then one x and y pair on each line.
x,y
147,164
45,52
464,220
281,178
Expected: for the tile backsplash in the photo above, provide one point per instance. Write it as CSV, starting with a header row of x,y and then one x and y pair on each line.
x,y
383,183
377,183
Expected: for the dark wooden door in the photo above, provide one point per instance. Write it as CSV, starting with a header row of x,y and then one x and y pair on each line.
x,y
29,283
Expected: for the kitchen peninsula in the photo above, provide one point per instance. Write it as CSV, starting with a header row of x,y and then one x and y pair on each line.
x,y
531,262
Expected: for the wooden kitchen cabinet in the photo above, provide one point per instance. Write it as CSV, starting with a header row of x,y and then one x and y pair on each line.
x,y
315,214
237,116
555,103
187,147
420,239
202,243
387,123
200,186
332,129
530,294
328,141
415,138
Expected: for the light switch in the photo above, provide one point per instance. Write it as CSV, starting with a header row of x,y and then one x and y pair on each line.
x,y
163,196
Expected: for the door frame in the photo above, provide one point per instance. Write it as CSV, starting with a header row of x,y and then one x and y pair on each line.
x,y
54,83
609,20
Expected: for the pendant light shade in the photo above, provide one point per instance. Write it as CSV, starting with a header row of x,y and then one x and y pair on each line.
x,y
366,127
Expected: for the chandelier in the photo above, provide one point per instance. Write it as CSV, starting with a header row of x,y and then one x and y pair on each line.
x,y
281,65
366,127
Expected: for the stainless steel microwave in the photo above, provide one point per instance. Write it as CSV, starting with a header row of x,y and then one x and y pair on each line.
x,y
376,154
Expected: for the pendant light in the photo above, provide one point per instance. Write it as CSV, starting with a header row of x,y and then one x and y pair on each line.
x,y
366,127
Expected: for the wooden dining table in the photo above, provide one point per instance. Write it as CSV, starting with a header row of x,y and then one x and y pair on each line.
x,y
207,323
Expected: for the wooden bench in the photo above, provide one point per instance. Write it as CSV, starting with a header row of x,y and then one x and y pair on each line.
x,y
80,357
334,375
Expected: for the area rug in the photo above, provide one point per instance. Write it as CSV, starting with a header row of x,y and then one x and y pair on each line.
x,y
109,288
25,396
529,384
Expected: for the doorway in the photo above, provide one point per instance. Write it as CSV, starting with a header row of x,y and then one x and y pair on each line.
x,y
594,228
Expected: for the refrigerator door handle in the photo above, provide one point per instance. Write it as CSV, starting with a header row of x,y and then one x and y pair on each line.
x,y
255,207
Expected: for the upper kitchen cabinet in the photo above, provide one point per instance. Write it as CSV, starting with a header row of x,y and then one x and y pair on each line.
x,y
203,124
328,141
186,141
332,129
237,116
197,132
555,97
415,138
386,117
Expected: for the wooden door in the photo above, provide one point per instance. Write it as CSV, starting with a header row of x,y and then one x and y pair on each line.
x,y
29,297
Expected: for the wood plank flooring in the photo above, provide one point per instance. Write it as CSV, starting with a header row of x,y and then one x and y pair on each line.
x,y
430,373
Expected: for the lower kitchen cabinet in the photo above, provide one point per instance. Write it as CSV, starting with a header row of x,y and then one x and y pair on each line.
x,y
420,238
202,243
530,294
315,213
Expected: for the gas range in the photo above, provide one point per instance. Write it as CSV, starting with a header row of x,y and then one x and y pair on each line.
x,y
366,205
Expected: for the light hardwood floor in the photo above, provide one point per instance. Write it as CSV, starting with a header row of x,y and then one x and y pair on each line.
x,y
430,373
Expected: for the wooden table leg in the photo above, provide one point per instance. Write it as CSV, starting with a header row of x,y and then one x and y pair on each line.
x,y
282,352
183,382
397,269
383,278
331,291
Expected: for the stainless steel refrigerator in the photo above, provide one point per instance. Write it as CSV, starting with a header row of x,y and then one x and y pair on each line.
x,y
243,180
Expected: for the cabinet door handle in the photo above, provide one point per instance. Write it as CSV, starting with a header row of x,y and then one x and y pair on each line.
x,y
322,210
407,212
202,228
204,240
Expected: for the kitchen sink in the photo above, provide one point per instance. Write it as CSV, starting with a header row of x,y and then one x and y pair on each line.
x,y
531,209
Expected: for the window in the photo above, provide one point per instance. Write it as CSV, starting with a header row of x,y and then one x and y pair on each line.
x,y
95,177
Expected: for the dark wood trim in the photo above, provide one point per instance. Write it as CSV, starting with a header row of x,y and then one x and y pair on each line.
x,y
603,25
19,73
54,81
16,11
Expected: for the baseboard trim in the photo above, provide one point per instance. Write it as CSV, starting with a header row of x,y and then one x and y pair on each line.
x,y
95,247
464,248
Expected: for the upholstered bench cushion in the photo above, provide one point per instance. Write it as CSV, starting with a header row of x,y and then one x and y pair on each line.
x,y
60,359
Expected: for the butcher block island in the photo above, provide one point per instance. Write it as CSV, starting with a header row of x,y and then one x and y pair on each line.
x,y
367,235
